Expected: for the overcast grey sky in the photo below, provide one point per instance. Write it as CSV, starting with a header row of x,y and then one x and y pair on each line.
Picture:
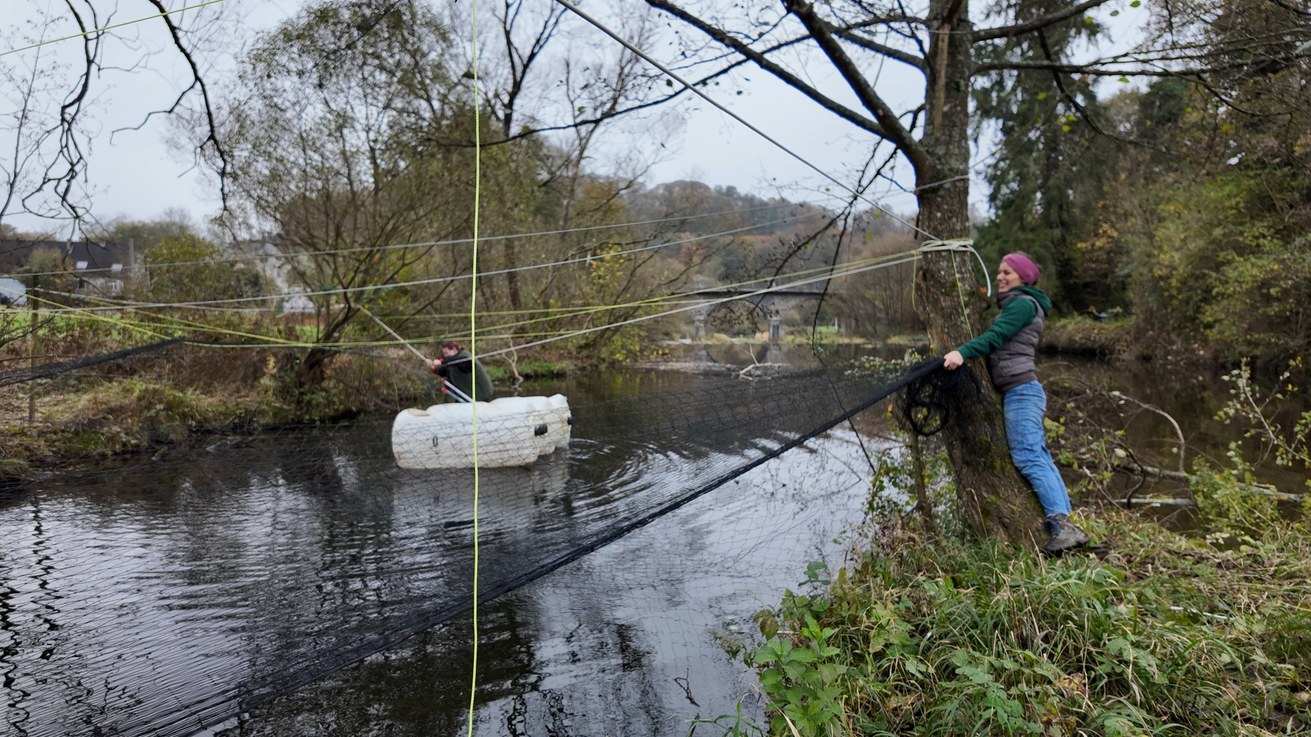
x,y
137,174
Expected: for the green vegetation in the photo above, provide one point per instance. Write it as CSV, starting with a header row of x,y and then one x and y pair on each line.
x,y
933,632
1083,335
1199,233
1165,635
170,396
187,392
80,420
1196,235
188,268
528,370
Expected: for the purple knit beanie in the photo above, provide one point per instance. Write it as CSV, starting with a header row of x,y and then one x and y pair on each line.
x,y
1024,267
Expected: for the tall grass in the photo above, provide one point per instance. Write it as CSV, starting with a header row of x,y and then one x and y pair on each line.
x,y
1164,635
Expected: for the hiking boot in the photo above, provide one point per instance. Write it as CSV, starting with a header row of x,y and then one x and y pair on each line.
x,y
1064,535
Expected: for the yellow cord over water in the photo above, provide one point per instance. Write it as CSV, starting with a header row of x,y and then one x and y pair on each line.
x,y
473,343
163,325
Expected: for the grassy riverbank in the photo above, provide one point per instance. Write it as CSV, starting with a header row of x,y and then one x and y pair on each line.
x,y
190,394
1161,634
1149,632
1085,336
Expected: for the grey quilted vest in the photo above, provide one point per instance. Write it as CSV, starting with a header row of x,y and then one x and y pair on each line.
x,y
1013,363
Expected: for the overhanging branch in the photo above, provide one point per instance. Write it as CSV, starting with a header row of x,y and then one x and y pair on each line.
x,y
198,82
892,128
1017,29
761,60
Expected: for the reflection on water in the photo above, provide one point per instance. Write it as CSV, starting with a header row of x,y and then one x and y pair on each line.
x,y
163,599
623,641
1190,398
304,580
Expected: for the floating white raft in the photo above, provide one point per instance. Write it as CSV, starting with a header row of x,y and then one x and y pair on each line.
x,y
511,431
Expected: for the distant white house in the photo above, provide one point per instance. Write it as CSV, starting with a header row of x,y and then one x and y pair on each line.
x,y
99,266
297,304
276,267
103,268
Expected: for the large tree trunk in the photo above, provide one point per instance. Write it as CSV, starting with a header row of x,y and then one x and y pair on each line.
x,y
995,498
312,369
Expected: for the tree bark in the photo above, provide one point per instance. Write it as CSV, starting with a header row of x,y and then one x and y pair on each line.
x,y
312,369
996,501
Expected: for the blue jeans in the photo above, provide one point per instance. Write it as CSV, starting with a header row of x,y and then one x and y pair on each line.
x,y
1023,407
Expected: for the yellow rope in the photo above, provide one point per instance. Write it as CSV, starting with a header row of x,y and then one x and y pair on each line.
x,y
510,332
170,320
473,346
958,244
960,292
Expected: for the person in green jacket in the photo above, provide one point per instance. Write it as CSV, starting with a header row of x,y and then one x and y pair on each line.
x,y
463,373
1010,345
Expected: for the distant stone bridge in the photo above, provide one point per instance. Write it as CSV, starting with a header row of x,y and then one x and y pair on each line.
x,y
773,304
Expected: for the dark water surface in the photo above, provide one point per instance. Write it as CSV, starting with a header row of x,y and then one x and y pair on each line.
x,y
279,573
1170,416
303,578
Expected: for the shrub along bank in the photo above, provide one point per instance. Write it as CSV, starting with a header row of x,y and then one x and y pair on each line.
x,y
1163,634
1150,633
190,393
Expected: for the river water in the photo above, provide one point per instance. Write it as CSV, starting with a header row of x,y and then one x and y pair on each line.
x,y
299,584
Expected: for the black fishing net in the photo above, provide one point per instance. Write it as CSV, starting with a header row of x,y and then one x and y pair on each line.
x,y
18,376
166,598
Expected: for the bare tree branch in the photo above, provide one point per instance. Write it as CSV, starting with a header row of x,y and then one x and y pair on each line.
x,y
70,149
888,123
761,60
25,149
895,54
210,139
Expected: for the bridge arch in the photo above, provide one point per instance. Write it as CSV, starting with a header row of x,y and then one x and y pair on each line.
x,y
772,304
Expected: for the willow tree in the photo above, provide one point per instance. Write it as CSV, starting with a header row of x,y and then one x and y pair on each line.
x,y
843,50
555,105
325,133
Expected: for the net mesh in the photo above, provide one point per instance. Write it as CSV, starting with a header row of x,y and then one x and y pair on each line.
x,y
170,597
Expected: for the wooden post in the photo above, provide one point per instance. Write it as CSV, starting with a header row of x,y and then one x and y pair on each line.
x,y
31,357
